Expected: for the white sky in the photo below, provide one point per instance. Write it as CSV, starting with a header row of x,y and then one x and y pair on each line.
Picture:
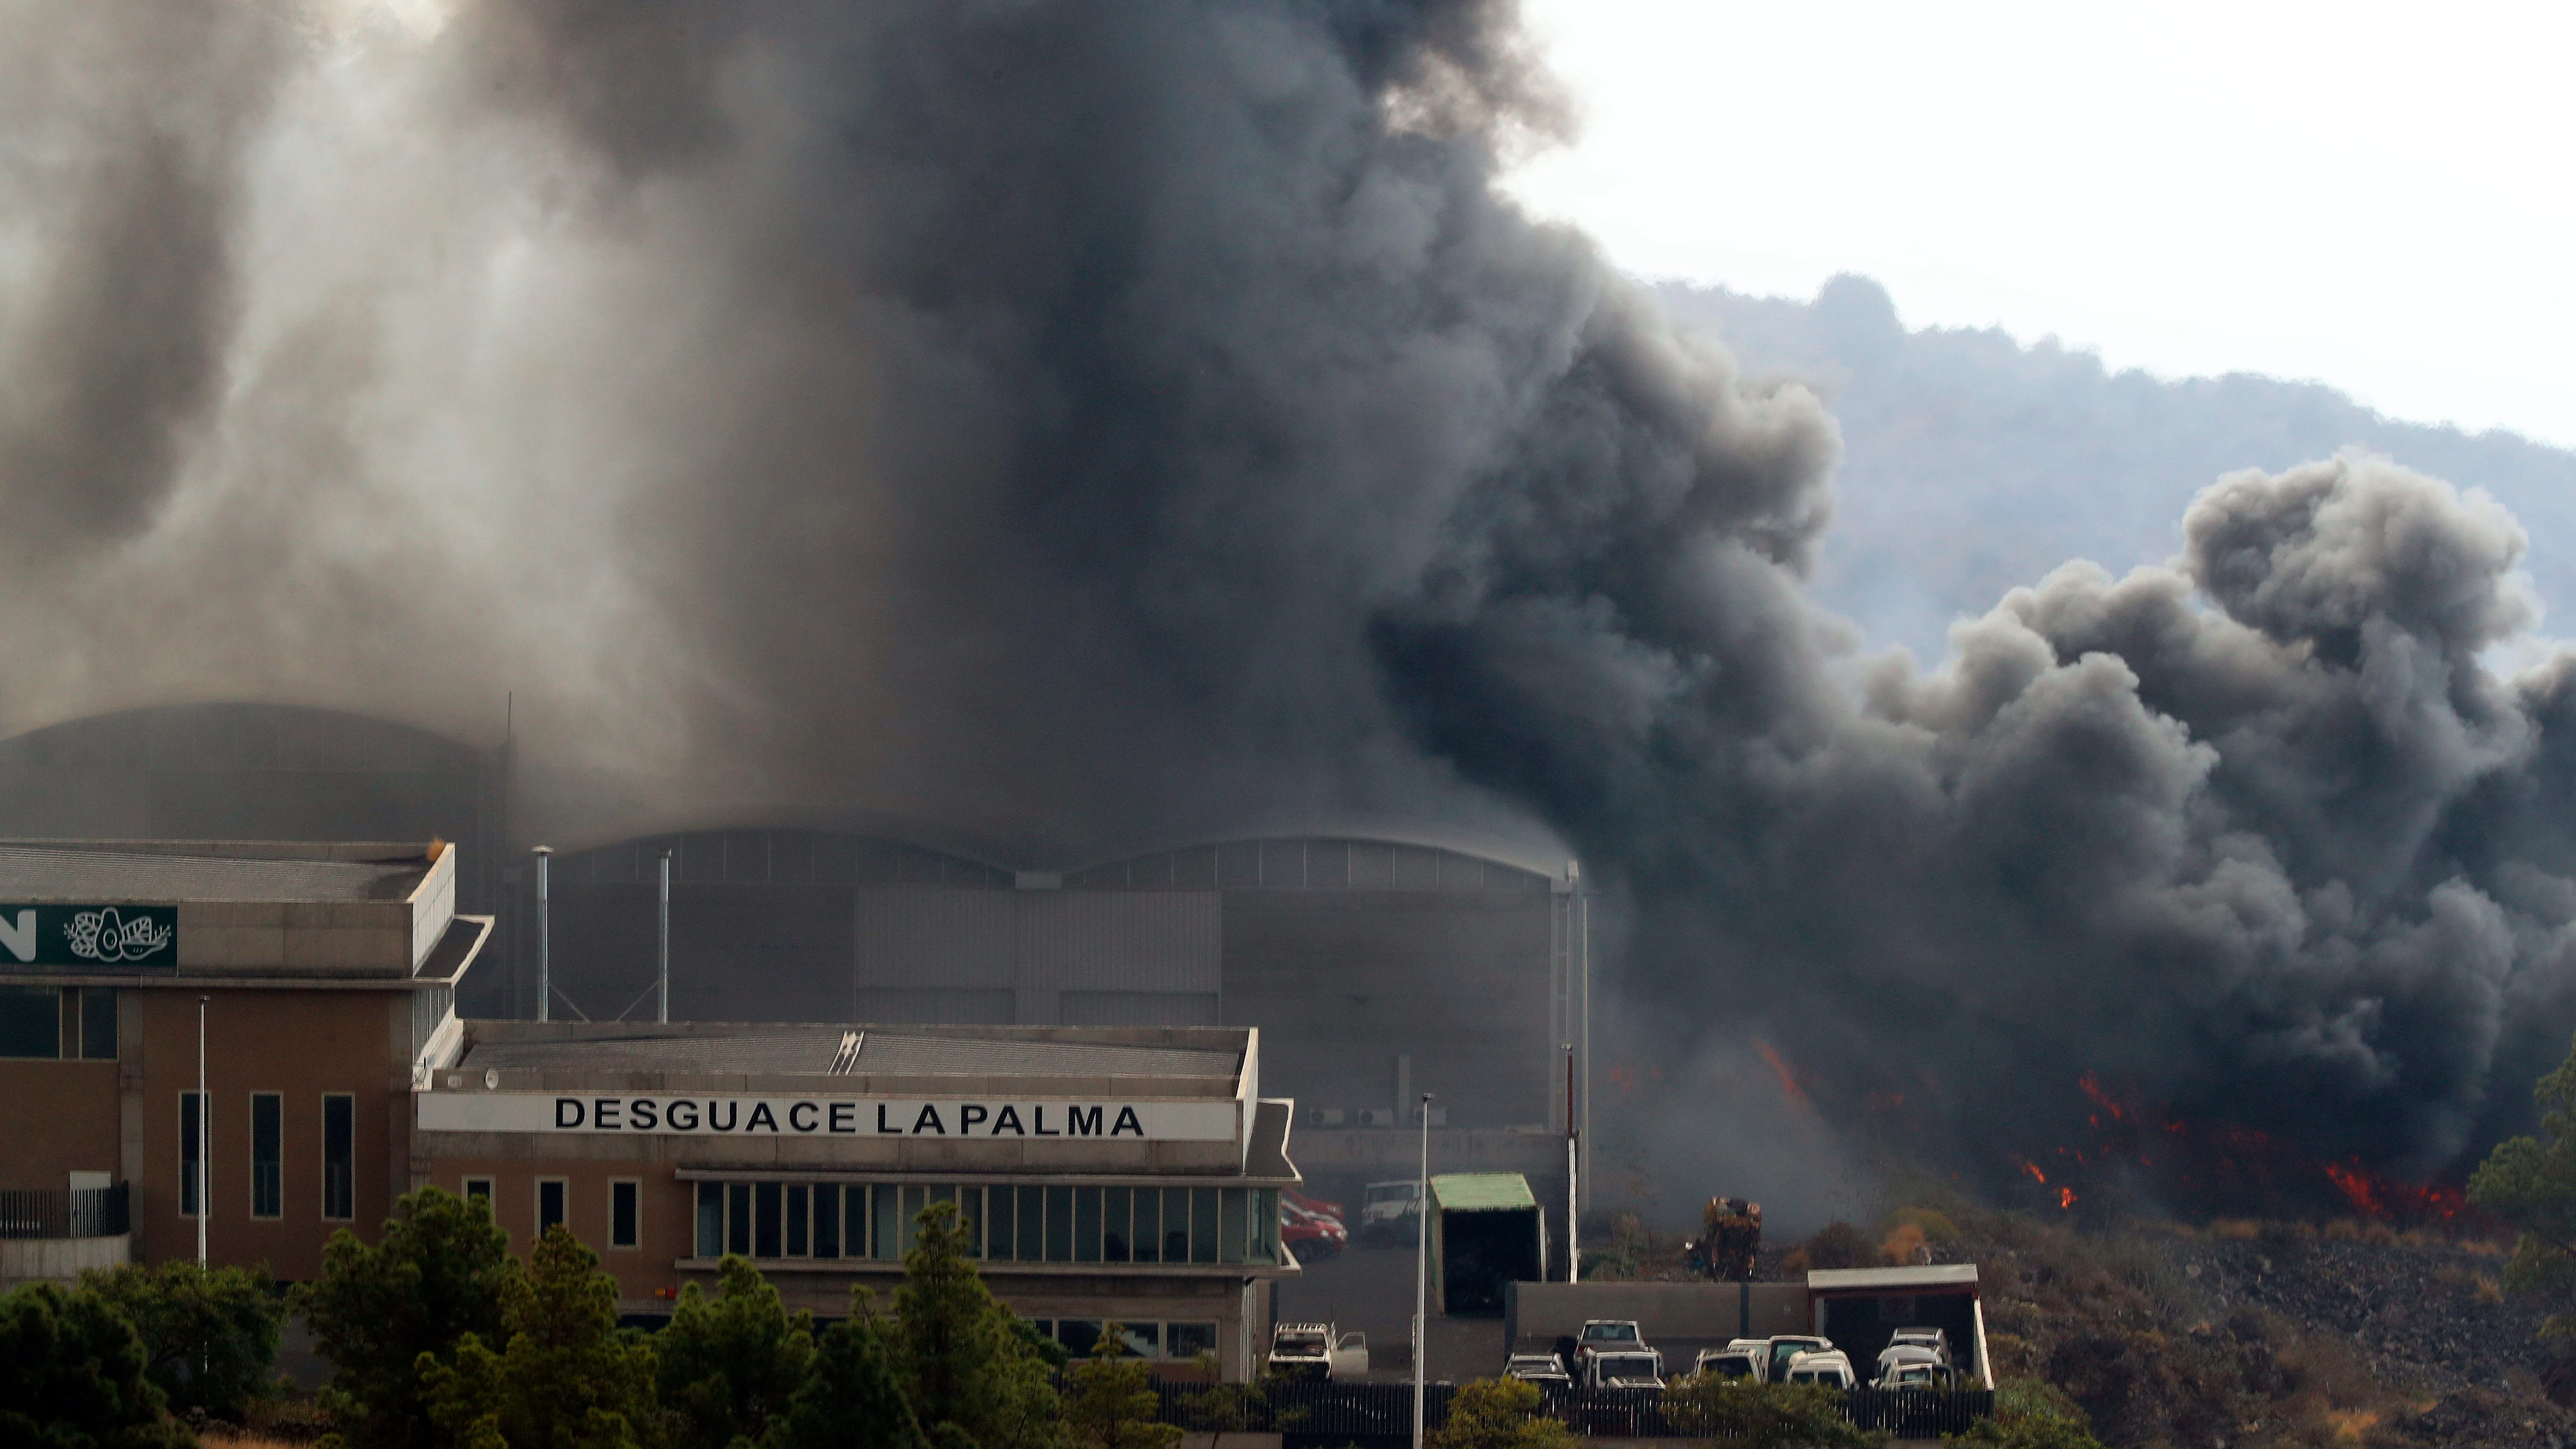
x,y
2380,197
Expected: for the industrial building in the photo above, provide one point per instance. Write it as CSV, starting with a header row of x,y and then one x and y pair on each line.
x,y
1379,960
257,1041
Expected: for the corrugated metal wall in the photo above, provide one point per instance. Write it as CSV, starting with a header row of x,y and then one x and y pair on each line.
x,y
1076,957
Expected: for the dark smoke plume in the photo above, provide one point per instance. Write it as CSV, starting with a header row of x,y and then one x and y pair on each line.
x,y
1106,419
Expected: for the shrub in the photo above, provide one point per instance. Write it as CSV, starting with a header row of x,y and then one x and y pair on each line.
x,y
1840,1245
209,1338
1113,1404
72,1376
1750,1415
1499,1414
2031,1415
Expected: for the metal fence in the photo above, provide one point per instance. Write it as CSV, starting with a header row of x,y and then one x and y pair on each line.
x,y
1366,1413
91,1212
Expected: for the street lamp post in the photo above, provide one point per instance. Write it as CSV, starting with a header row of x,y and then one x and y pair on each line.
x,y
1421,1264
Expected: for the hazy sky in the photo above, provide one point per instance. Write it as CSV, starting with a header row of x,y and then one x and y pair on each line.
x,y
2374,196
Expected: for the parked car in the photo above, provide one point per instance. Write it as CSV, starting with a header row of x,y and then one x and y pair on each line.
x,y
1543,1369
1934,1340
1624,1369
1733,1362
1920,1375
1827,1366
1313,1236
1390,1212
1785,1347
1606,1335
1904,1355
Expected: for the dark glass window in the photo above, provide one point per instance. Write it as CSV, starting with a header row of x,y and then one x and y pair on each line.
x,y
1149,1225
1202,1225
1189,1340
31,1022
889,1233
1265,1225
998,1235
1078,1334
738,1218
800,1243
827,1220
98,1023
550,1204
340,1159
1032,1234
1114,1209
622,1226
192,1146
1059,1225
1236,1225
764,1240
711,1220
267,1129
479,1189
1176,1225
1086,1225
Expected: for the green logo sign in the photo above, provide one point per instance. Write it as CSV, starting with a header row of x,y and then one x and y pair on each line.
x,y
96,938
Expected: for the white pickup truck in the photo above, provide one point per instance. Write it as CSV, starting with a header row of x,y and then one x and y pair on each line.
x,y
1317,1353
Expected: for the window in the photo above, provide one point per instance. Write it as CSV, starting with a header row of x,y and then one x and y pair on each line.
x,y
711,1219
1265,1225
1149,1225
1189,1340
1000,1220
1145,1340
1059,1225
267,1172
1114,1207
1078,1335
1176,1225
98,1023
192,1144
550,1203
1230,1236
624,1231
764,1237
1202,1226
31,1022
479,1189
889,1214
800,1223
738,1218
827,1220
1032,1233
340,1159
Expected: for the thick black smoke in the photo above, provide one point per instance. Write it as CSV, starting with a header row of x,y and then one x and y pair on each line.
x,y
1088,420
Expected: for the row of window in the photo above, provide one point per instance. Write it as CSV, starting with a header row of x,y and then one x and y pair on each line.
x,y
625,1198
58,1023
267,1155
1144,1340
1004,1224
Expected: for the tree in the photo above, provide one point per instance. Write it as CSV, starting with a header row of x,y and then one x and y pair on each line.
x,y
566,1380
850,1398
963,1363
1753,1415
209,1338
2532,1185
72,1376
443,1271
1113,1404
1499,1414
727,1366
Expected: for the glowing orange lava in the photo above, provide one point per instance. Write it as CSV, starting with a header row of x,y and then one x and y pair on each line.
x,y
1789,1087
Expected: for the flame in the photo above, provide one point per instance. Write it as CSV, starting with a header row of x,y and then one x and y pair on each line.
x,y
2066,1197
1789,1088
2033,1169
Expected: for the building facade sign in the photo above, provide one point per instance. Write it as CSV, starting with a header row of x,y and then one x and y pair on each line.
x,y
90,938
716,1115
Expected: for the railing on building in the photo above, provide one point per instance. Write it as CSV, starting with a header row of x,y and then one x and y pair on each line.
x,y
89,1212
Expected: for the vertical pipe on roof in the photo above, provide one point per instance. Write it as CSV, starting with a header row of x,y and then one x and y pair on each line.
x,y
545,962
662,957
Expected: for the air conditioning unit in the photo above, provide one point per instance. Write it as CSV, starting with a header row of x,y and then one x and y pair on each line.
x,y
1323,1116
1439,1116
1377,1116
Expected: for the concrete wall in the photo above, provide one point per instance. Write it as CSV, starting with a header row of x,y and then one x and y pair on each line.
x,y
1692,1312
58,1259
